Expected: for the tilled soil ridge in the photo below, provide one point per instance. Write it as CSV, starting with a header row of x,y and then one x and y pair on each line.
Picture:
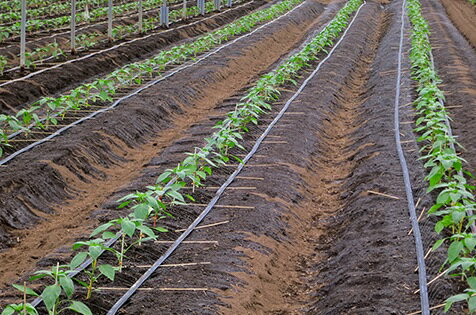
x,y
85,172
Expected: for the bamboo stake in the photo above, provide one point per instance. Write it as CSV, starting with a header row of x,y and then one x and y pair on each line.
x,y
205,226
218,206
434,279
418,220
176,265
188,242
431,309
382,194
152,289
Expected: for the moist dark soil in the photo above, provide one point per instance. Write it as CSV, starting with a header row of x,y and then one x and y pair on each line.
x,y
52,82
303,229
47,203
463,16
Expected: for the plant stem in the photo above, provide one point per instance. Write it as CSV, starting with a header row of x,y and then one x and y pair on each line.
x,y
24,298
121,258
91,280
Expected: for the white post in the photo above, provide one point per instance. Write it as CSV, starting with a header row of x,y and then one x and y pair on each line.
x,y
141,13
109,21
23,34
73,27
184,14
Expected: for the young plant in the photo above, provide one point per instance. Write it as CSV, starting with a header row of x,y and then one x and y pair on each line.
x,y
95,249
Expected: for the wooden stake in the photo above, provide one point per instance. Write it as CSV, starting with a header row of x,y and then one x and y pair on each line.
x,y
382,194
218,206
431,308
434,279
205,226
419,218
152,289
188,242
176,265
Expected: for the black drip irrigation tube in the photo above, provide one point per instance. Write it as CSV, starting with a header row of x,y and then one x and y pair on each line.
x,y
425,305
152,83
230,179
112,241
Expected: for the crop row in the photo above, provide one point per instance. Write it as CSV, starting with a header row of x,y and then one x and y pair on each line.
x,y
150,206
55,8
8,5
9,31
105,88
455,201
86,41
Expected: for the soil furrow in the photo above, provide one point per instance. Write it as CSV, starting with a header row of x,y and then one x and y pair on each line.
x,y
54,81
75,174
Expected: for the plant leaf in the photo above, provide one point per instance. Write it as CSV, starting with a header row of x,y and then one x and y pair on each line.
x,y
108,271
78,260
49,295
67,285
22,288
80,308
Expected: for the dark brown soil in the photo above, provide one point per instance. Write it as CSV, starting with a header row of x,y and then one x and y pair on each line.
x,y
306,233
86,172
463,15
14,96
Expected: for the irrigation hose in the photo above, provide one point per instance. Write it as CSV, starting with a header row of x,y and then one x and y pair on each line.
x,y
425,305
111,241
230,179
117,102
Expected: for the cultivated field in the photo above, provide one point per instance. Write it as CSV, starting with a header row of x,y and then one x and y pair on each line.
x,y
241,157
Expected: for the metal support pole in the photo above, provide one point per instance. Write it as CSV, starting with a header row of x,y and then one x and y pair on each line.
x,y
184,14
217,4
23,34
164,14
201,6
73,27
109,21
141,17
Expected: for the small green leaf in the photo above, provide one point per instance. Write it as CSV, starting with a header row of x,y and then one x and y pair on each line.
x,y
472,304
454,250
22,289
141,211
9,310
455,298
50,295
67,285
78,260
94,252
472,282
437,244
108,271
128,227
80,308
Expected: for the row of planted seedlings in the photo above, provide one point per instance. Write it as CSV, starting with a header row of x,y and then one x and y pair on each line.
x,y
53,51
9,31
455,196
54,9
147,208
53,109
15,5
